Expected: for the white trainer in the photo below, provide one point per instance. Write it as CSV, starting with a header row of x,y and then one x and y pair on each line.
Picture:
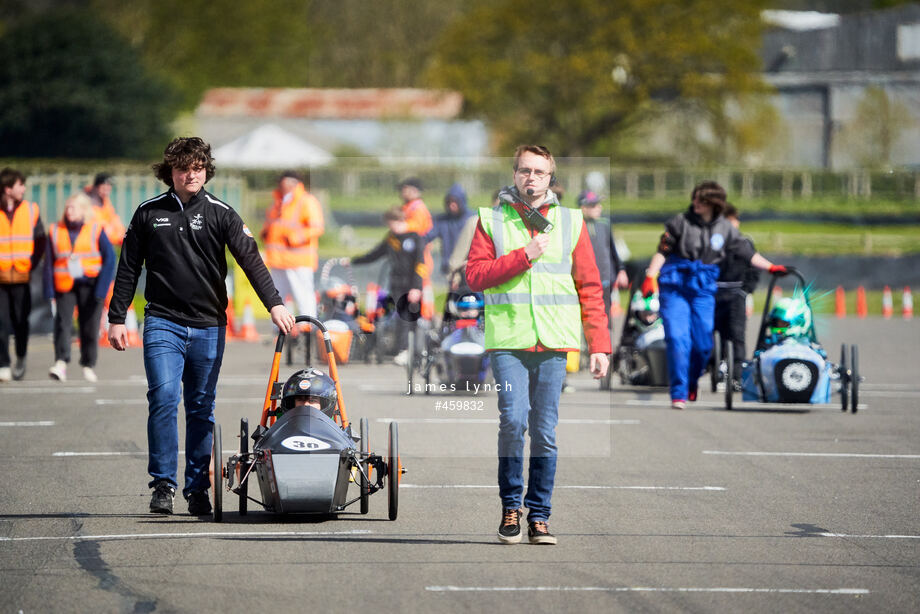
x,y
58,371
89,375
6,374
402,358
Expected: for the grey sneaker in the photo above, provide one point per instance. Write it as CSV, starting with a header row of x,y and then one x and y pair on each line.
x,y
161,502
19,369
538,533
199,503
509,531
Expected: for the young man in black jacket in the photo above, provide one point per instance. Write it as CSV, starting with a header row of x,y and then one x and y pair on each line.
x,y
180,237
737,279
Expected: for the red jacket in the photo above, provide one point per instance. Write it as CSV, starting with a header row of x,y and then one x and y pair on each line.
x,y
483,271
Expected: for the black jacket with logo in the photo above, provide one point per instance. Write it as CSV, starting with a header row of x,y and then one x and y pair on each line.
x,y
406,256
688,236
183,250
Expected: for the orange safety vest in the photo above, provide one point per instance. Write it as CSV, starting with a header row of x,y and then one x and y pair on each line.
x,y
418,219
82,259
108,219
17,244
292,230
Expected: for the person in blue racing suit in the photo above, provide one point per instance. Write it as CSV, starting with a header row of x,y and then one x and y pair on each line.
x,y
684,271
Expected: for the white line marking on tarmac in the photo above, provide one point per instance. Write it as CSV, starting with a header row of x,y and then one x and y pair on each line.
x,y
664,402
811,454
495,421
846,535
44,389
38,423
647,589
220,401
590,487
197,535
891,394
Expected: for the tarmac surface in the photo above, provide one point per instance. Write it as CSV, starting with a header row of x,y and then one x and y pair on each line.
x,y
803,509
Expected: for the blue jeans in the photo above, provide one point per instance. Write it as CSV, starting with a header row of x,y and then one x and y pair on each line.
x,y
528,396
687,292
181,362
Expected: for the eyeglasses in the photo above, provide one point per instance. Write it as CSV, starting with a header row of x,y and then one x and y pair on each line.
x,y
536,172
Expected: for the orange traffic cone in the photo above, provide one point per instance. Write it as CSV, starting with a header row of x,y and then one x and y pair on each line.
x,y
248,330
231,321
862,310
134,338
616,309
887,303
841,303
907,304
104,329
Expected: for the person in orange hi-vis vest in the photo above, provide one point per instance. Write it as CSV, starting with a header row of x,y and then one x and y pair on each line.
x,y
418,219
99,194
293,226
22,245
79,268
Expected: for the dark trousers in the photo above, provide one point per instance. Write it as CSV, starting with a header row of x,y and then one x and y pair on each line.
x,y
89,310
731,321
15,306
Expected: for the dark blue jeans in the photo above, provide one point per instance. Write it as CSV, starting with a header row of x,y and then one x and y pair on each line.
x,y
181,362
530,385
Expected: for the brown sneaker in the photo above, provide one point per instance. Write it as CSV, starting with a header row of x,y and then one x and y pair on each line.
x,y
509,531
538,532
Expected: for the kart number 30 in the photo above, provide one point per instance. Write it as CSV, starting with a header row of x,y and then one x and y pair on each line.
x,y
302,443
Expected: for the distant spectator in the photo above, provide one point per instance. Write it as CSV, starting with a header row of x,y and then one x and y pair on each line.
x,y
461,251
79,268
22,245
448,225
404,250
418,220
293,226
103,210
611,269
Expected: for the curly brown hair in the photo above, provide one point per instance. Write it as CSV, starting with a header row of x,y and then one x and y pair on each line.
x,y
712,194
183,153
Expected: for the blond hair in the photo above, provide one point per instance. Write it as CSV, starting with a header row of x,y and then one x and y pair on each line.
x,y
83,203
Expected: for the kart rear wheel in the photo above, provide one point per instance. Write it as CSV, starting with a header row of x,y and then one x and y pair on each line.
x,y
854,378
363,483
715,369
844,378
729,375
243,486
217,475
394,470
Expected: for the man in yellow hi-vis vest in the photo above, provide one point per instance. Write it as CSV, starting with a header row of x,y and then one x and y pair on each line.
x,y
533,261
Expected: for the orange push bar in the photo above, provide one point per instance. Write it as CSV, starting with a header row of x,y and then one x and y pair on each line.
x,y
268,407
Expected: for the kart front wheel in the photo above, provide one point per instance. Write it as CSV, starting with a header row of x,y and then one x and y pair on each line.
x,y
410,360
394,470
729,375
854,378
844,378
243,482
715,369
217,475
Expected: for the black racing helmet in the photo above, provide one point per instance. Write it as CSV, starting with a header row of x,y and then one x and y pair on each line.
x,y
313,384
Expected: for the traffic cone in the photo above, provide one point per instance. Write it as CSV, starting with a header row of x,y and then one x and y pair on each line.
x,y
862,309
749,305
887,303
841,303
231,321
907,304
104,329
248,330
134,338
616,309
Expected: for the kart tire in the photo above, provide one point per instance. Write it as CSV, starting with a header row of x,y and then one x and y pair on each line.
x,y
854,378
715,369
363,483
217,473
410,360
394,470
729,375
243,486
844,379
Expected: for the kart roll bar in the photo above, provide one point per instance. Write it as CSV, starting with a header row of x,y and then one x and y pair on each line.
x,y
768,305
268,407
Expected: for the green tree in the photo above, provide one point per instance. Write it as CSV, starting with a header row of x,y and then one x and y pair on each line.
x,y
576,74
73,87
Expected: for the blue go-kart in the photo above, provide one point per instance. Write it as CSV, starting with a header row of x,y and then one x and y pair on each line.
x,y
789,365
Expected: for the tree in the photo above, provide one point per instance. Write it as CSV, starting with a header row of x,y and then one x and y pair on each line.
x,y
577,74
72,87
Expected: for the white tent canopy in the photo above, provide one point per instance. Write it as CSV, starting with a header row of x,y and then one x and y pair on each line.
x,y
270,146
